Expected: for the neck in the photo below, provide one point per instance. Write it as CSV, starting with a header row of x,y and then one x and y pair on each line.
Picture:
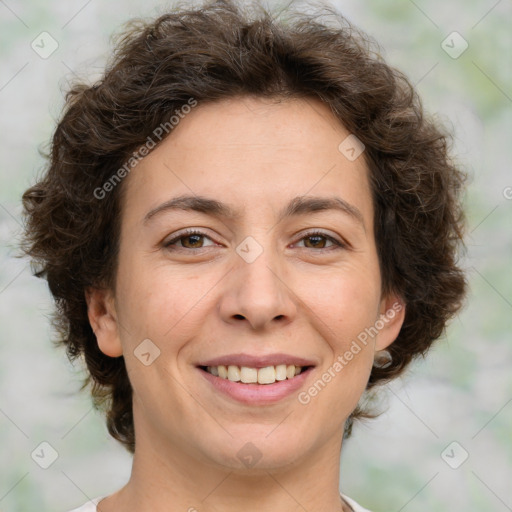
x,y
174,478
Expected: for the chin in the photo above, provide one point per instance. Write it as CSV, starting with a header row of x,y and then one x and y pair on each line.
x,y
259,449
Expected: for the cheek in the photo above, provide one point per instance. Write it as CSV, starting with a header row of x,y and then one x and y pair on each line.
x,y
344,315
346,302
158,302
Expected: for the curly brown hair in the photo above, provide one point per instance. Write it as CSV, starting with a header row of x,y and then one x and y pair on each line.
x,y
217,51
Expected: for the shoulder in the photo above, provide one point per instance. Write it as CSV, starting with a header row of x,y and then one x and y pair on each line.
x,y
90,506
354,505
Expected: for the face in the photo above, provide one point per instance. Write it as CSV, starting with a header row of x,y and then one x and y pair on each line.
x,y
268,272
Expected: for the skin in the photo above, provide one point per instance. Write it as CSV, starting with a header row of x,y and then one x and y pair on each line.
x,y
302,296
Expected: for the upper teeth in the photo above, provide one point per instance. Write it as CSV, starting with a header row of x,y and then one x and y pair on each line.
x,y
267,375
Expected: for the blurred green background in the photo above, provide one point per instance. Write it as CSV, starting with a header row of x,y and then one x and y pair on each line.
x,y
461,393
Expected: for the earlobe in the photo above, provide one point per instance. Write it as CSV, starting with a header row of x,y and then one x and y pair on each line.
x,y
103,319
391,319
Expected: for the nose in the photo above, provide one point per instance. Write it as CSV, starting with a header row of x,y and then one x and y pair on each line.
x,y
258,293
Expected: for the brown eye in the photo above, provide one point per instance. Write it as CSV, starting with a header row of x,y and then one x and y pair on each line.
x,y
193,241
318,240
188,240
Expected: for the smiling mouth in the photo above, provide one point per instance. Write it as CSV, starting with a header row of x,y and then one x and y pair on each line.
x,y
258,376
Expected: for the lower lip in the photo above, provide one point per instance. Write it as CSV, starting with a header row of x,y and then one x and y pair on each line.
x,y
257,394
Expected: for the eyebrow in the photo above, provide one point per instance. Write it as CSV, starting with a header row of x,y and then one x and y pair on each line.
x,y
299,205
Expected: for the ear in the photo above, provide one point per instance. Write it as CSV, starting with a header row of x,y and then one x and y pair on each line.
x,y
103,319
391,318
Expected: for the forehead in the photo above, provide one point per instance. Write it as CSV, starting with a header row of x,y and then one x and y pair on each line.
x,y
261,125
251,150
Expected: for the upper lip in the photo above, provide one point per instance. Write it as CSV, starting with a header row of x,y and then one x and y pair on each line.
x,y
256,361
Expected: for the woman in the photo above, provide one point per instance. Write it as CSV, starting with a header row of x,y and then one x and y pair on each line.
x,y
247,224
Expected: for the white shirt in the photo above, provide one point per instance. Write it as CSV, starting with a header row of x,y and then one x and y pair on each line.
x,y
90,506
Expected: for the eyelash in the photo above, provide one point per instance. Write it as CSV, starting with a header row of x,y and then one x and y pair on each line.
x,y
310,234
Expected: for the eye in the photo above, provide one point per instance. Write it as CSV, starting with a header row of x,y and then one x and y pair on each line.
x,y
190,239
194,239
316,242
